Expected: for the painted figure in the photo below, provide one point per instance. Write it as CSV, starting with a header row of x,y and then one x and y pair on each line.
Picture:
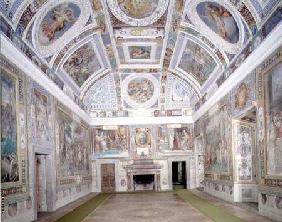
x,y
220,20
82,64
9,157
241,96
61,15
140,52
57,22
140,90
137,8
111,142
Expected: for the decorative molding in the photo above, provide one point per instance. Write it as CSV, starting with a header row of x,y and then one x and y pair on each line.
x,y
272,42
140,120
22,62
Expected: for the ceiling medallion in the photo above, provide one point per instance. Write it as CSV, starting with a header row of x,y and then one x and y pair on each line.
x,y
220,21
138,12
140,91
57,23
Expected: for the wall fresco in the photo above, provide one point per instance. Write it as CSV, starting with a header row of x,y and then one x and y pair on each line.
x,y
41,112
74,146
111,143
14,144
217,139
243,95
9,138
174,139
273,109
142,142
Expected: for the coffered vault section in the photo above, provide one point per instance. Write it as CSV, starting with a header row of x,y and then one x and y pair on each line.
x,y
119,58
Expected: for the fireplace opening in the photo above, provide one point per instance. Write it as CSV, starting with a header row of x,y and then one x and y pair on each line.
x,y
144,182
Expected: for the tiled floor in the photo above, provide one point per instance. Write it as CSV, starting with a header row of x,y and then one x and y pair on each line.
x,y
154,207
145,207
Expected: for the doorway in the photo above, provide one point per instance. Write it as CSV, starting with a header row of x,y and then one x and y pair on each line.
x,y
40,184
179,175
108,178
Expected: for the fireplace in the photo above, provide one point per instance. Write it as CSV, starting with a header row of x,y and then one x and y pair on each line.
x,y
144,182
143,175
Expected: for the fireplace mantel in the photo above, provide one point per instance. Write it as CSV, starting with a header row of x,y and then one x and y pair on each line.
x,y
143,167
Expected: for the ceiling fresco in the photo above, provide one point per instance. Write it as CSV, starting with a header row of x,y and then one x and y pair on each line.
x,y
138,12
82,63
118,56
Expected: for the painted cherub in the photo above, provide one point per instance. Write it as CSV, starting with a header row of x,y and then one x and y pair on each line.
x,y
61,16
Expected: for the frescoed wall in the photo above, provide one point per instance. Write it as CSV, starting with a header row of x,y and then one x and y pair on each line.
x,y
269,82
142,143
228,144
14,146
73,152
42,114
27,132
9,126
111,143
273,112
74,145
175,139
217,136
269,125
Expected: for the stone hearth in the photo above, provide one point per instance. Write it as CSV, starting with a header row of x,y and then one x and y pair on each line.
x,y
143,175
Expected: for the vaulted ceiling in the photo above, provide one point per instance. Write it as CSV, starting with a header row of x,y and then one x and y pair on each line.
x,y
119,56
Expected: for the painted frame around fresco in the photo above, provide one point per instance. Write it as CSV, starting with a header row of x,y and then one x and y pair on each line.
x,y
264,71
20,186
78,175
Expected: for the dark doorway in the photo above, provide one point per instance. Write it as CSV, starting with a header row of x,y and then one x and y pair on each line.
x,y
179,175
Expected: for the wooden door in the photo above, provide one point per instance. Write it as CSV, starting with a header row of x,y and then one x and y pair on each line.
x,y
108,178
